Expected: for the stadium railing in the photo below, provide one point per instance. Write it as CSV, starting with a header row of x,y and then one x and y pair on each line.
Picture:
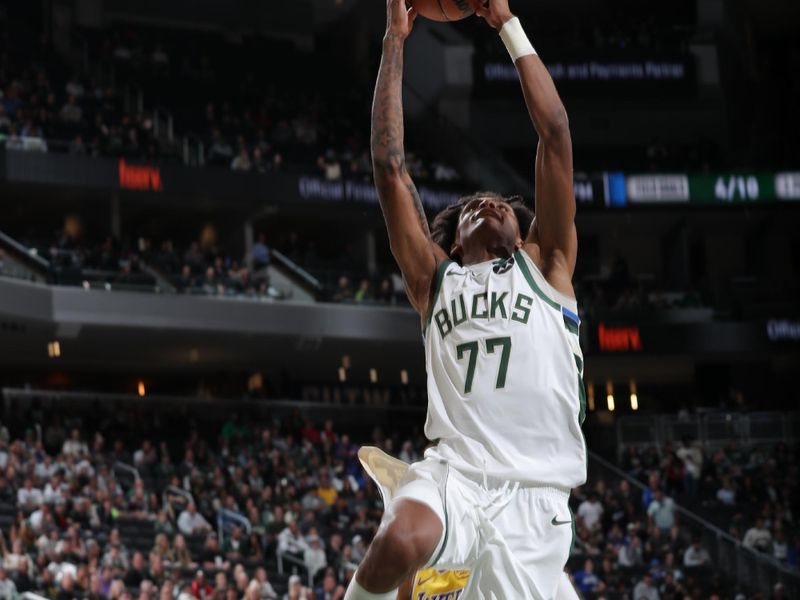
x,y
711,430
749,568
20,262
127,469
297,564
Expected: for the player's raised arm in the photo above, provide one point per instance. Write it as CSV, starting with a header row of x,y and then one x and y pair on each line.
x,y
553,229
409,236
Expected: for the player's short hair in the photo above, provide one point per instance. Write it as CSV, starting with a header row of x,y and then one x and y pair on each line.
x,y
443,230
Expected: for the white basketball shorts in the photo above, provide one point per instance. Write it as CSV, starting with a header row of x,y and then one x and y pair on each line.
x,y
514,539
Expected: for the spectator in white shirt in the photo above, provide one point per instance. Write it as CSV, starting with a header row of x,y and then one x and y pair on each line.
x,y
12,559
314,556
29,497
45,469
291,541
662,511
696,556
74,446
191,522
8,589
52,491
41,518
758,537
591,511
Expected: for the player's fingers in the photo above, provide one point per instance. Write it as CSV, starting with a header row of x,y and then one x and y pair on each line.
x,y
412,14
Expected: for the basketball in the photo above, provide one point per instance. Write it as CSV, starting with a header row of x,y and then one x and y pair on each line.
x,y
444,10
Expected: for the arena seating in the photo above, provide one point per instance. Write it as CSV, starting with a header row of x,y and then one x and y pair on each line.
x,y
143,95
87,501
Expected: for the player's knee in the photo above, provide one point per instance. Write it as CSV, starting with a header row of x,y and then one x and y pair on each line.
x,y
403,544
411,546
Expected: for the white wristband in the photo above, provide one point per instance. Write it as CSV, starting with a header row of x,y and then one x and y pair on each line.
x,y
517,43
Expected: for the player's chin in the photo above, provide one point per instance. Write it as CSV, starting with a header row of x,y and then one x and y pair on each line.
x,y
494,227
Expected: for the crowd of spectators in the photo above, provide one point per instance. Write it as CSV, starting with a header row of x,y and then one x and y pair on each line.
x,y
204,267
199,267
630,537
75,525
263,124
747,492
47,105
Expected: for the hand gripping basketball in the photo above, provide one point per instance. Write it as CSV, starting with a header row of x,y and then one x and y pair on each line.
x,y
399,19
445,10
495,12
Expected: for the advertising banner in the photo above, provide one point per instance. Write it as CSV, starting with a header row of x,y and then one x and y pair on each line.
x,y
609,73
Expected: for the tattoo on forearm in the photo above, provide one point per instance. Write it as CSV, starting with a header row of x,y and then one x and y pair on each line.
x,y
388,153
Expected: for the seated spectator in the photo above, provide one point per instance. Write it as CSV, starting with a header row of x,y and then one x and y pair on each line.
x,y
220,584
242,160
326,490
343,292
67,589
661,511
8,589
758,537
696,555
201,588
235,546
220,151
74,446
591,511
29,497
330,589
296,590
726,493
137,571
212,556
22,577
191,522
646,589
260,252
630,555
314,556
71,112
586,580
292,542
180,552
364,292
52,491
265,588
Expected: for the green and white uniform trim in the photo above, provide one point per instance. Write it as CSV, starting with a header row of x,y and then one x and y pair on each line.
x,y
505,374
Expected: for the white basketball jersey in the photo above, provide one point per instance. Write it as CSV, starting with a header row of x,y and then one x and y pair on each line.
x,y
505,369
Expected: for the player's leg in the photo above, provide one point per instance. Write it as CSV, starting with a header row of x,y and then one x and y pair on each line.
x,y
404,593
406,540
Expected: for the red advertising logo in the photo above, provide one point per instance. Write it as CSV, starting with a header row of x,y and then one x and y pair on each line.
x,y
139,177
619,339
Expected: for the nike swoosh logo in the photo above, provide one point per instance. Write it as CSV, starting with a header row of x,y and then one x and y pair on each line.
x,y
426,580
555,521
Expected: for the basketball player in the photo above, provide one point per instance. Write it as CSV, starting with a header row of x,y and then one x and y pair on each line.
x,y
427,584
505,394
